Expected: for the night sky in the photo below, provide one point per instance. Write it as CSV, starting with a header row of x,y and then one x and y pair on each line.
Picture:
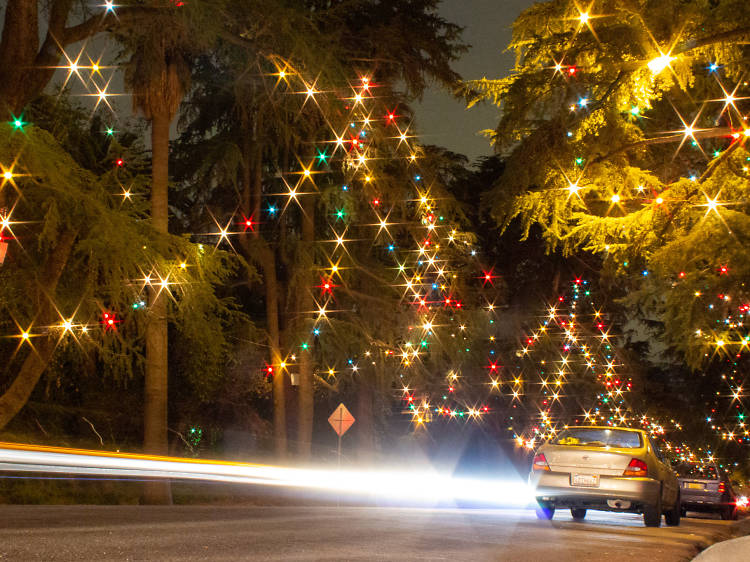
x,y
445,121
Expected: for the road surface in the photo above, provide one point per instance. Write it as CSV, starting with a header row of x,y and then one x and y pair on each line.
x,y
184,533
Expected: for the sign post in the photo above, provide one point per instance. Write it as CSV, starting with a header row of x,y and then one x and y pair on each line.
x,y
341,420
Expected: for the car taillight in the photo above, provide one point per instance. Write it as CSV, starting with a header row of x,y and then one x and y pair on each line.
x,y
722,487
636,468
741,501
540,462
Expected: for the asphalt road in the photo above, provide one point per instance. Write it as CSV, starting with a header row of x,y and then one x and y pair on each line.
x,y
183,533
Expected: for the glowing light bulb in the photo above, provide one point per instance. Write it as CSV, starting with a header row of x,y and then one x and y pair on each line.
x,y
615,198
659,63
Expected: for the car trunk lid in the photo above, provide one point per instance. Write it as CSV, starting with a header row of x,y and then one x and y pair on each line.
x,y
600,460
700,489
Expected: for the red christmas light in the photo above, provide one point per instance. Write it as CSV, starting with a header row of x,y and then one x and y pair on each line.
x,y
109,321
326,286
248,223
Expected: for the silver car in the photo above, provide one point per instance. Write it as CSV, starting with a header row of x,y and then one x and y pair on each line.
x,y
605,468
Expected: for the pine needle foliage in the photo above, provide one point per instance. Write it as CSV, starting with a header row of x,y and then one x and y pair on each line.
x,y
624,135
66,179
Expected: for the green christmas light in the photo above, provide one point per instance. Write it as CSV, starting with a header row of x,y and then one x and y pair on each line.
x,y
18,122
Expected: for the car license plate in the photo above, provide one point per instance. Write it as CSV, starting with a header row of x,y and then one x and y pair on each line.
x,y
584,480
694,486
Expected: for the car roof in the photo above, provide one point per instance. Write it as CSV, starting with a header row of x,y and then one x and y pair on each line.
x,y
605,427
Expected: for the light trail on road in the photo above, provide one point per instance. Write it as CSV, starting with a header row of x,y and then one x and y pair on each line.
x,y
413,485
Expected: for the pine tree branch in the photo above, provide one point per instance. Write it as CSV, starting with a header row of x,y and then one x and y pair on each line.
x,y
707,134
329,386
718,38
107,22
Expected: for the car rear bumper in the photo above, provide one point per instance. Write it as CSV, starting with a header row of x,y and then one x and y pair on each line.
x,y
705,506
555,488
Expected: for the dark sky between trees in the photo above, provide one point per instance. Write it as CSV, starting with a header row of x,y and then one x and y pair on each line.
x,y
444,120
441,118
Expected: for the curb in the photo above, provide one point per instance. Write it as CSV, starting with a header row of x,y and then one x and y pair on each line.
x,y
735,549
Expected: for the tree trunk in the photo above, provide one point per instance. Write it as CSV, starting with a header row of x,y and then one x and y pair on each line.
x,y
18,50
265,257
365,421
306,401
36,362
155,408
306,406
268,264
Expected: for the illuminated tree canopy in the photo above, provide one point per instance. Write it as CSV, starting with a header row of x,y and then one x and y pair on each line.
x,y
625,132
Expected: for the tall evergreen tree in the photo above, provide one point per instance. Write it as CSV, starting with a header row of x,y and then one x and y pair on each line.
x,y
260,135
624,135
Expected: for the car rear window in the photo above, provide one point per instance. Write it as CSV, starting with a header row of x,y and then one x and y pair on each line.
x,y
592,437
698,471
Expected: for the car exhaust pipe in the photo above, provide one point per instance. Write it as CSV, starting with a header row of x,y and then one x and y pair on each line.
x,y
618,504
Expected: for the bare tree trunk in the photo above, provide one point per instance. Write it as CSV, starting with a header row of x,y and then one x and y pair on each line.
x,y
18,50
155,407
268,264
252,179
306,406
365,421
306,401
15,398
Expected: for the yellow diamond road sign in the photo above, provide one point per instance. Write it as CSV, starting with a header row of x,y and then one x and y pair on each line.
x,y
341,420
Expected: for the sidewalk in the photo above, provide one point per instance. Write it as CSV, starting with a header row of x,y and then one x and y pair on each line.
x,y
732,550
